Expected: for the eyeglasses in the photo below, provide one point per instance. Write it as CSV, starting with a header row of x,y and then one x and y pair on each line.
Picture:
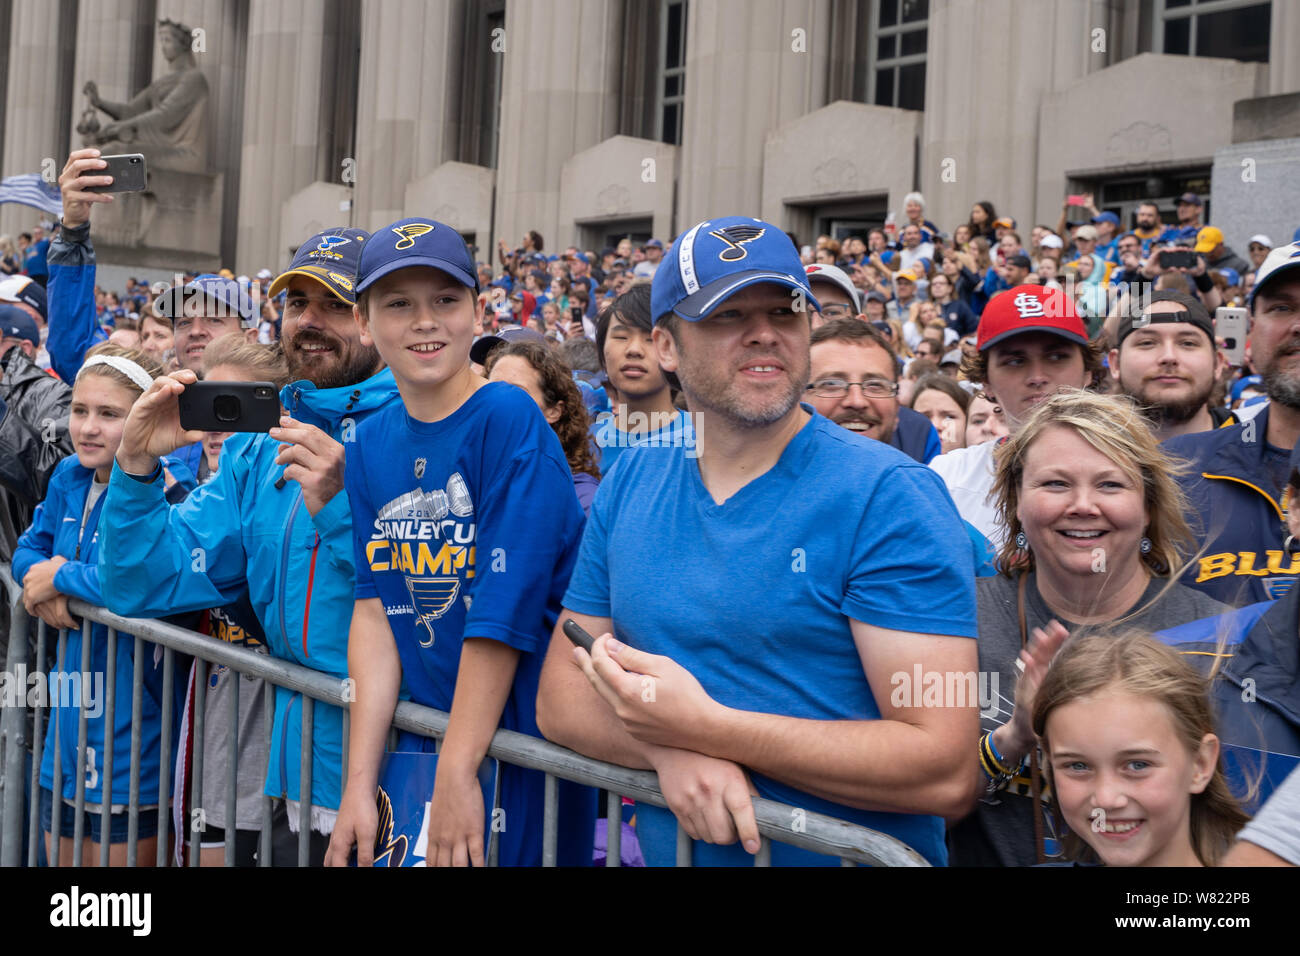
x,y
838,388
838,310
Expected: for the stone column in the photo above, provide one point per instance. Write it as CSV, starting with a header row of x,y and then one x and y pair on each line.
x,y
746,74
282,112
988,64
1283,41
105,50
410,79
559,97
31,117
222,60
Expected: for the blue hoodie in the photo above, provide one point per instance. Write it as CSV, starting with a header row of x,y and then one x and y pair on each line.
x,y
56,529
239,530
1240,523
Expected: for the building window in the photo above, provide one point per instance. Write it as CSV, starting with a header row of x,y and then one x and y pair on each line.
x,y
672,71
898,54
1232,29
480,101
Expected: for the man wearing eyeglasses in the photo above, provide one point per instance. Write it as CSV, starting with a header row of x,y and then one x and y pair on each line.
x,y
838,296
855,384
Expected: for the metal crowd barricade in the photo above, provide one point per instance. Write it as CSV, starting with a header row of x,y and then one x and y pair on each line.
x,y
821,834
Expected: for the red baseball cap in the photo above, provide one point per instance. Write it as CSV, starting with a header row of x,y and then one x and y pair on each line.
x,y
1029,308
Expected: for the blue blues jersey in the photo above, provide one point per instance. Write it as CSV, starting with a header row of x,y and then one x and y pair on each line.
x,y
468,527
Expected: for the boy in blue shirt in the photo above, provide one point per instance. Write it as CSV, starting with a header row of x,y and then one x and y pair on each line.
x,y
465,528
759,607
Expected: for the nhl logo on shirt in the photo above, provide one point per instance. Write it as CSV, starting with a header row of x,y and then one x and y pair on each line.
x,y
1028,305
419,467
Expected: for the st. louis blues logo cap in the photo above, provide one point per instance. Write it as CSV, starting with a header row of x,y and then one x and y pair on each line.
x,y
715,259
416,242
331,258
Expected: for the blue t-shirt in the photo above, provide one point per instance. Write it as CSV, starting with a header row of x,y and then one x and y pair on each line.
x,y
754,596
469,527
611,440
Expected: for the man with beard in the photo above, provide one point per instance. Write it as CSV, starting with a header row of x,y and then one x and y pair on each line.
x,y
1166,360
855,385
805,565
272,520
1149,227
1238,480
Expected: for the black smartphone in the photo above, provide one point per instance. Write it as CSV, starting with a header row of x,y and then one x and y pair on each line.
x,y
1178,259
230,406
575,313
128,172
578,635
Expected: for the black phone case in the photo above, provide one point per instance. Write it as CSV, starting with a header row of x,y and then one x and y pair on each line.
x,y
257,413
128,172
575,633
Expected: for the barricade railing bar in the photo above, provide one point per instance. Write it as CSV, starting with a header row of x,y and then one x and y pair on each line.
x,y
851,843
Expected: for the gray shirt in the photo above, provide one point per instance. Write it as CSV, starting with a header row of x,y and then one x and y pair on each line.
x,y
1277,827
1000,831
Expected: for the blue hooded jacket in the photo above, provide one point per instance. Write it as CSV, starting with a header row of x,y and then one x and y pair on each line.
x,y
56,529
1240,523
240,530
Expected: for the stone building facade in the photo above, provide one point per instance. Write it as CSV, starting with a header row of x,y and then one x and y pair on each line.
x,y
592,119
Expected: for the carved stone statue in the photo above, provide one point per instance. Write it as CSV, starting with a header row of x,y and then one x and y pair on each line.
x,y
166,121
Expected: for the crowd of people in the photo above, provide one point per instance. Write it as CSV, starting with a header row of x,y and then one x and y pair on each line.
x,y
801,496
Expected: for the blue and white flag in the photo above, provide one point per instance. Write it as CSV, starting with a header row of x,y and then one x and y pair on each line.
x,y
31,190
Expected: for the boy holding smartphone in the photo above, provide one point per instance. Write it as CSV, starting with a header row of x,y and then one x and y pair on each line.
x,y
466,530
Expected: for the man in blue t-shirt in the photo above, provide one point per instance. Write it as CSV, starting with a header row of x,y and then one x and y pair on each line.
x,y
759,608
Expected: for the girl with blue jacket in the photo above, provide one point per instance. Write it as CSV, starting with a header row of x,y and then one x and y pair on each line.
x,y
56,560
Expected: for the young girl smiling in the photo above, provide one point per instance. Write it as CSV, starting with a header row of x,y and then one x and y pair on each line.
x,y
1133,758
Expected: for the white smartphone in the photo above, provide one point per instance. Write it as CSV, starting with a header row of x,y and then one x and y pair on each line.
x,y
1232,325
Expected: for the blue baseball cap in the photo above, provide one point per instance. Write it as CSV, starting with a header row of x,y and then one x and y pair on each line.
x,y
229,296
1107,216
331,258
416,242
17,324
1243,383
1232,275
714,260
